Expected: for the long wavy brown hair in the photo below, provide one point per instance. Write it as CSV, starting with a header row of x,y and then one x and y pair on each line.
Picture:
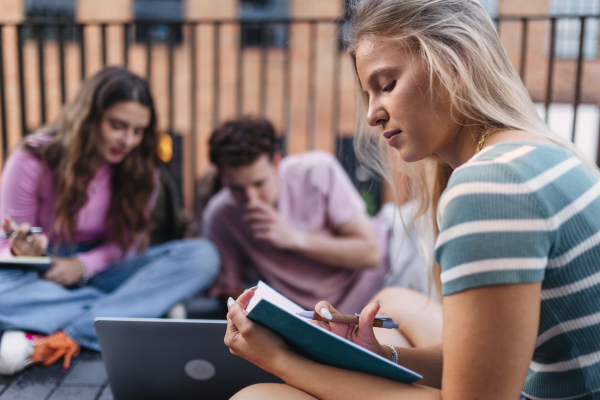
x,y
71,155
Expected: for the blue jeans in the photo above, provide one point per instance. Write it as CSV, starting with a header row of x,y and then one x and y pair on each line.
x,y
144,285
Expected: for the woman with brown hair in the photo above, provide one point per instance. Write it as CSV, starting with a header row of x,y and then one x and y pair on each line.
x,y
90,181
519,233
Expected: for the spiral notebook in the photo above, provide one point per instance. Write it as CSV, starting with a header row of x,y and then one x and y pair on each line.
x,y
278,313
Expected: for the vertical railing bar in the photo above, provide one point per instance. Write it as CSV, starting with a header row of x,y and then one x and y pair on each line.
x,y
61,59
21,79
524,48
311,87
193,106
216,75
239,84
287,93
497,23
335,117
40,30
550,68
3,98
263,68
103,30
125,44
82,50
171,79
577,99
148,53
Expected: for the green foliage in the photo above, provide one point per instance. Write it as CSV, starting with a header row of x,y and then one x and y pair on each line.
x,y
371,202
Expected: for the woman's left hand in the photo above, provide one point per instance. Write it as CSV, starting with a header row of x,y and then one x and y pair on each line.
x,y
251,341
64,271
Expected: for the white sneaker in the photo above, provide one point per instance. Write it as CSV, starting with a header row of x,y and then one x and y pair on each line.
x,y
177,312
15,352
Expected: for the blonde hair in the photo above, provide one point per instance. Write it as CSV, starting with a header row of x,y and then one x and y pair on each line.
x,y
459,45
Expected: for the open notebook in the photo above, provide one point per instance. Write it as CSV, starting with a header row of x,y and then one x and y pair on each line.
x,y
278,313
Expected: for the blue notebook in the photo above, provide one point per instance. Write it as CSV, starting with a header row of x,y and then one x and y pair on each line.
x,y
276,312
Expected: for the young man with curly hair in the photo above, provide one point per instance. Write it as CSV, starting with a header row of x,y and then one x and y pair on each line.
x,y
297,222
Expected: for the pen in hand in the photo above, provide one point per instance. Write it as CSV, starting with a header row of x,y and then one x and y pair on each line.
x,y
380,321
33,229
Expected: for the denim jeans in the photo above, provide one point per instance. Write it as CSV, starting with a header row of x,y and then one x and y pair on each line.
x,y
144,285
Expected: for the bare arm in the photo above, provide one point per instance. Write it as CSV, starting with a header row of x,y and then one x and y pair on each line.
x,y
353,245
489,339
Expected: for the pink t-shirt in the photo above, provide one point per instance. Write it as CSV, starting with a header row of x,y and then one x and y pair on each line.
x,y
315,196
28,194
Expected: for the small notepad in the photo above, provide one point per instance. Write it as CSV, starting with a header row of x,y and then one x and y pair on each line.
x,y
42,263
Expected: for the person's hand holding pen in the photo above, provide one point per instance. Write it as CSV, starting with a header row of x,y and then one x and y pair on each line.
x,y
22,241
361,334
254,342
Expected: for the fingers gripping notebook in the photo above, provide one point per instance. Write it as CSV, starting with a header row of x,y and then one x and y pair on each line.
x,y
278,313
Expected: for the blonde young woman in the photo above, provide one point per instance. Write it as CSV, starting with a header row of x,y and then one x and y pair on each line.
x,y
519,233
90,181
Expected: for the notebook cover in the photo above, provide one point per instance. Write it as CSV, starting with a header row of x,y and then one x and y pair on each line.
x,y
317,344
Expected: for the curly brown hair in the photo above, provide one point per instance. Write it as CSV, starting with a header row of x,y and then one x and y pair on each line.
x,y
242,141
71,153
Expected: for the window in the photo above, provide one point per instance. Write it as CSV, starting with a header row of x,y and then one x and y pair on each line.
x,y
274,34
491,6
568,29
167,11
50,10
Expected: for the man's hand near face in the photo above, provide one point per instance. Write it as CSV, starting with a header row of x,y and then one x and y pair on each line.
x,y
266,224
352,246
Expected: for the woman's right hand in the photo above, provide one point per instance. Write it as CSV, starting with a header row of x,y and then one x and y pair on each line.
x,y
22,244
361,334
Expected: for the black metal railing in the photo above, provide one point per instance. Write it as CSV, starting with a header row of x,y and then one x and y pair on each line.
x,y
525,22
184,38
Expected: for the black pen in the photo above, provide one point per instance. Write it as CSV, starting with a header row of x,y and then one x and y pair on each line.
x,y
33,229
380,321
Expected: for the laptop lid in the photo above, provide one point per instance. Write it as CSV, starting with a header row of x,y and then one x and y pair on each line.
x,y
172,359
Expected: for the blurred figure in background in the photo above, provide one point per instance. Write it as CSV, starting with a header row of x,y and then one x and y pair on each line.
x,y
90,180
297,222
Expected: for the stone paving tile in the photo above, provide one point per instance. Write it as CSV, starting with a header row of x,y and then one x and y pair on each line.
x,y
34,383
75,393
4,382
86,372
106,394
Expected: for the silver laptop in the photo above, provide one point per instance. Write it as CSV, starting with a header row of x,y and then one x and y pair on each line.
x,y
172,359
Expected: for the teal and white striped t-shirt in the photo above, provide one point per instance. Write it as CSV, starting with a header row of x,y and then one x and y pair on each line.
x,y
522,212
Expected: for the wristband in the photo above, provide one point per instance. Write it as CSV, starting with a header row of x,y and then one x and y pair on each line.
x,y
85,276
394,353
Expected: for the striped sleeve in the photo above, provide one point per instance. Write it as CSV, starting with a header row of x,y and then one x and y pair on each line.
x,y
493,230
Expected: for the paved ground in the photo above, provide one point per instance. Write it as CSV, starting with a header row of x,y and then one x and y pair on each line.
x,y
85,380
